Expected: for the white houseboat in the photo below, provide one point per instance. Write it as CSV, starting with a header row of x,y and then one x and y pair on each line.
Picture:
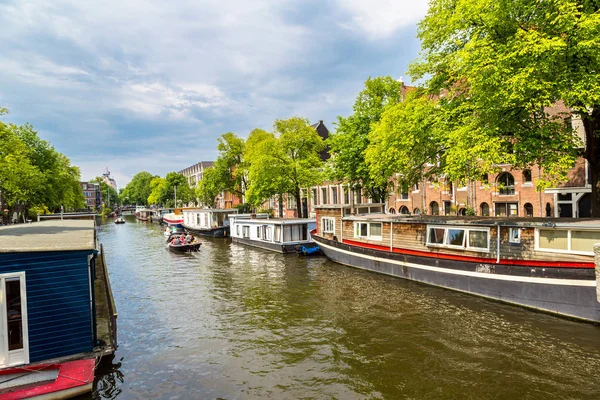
x,y
281,235
208,221
541,263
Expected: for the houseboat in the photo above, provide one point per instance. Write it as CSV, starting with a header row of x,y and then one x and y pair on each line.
x,y
159,214
144,214
57,308
208,221
277,234
174,218
544,264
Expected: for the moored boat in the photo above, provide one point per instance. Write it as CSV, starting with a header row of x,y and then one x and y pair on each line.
x,y
277,234
540,263
208,221
174,218
48,381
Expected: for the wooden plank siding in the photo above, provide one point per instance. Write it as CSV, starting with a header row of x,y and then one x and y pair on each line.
x,y
58,301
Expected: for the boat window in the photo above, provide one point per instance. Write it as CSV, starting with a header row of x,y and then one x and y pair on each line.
x,y
476,239
584,240
567,241
436,235
375,230
514,235
237,230
362,229
327,225
456,237
258,235
246,231
554,239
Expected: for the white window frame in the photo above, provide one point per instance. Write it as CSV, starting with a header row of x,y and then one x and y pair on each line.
x,y
511,236
568,251
466,245
369,236
20,356
328,225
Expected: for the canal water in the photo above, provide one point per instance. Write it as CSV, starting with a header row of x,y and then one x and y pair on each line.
x,y
234,322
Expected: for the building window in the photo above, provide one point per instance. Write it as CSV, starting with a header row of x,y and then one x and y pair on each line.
x,y
327,225
403,191
392,188
416,187
548,210
291,202
358,193
514,235
404,210
324,195
506,184
346,194
416,211
528,210
367,230
507,209
447,207
434,208
392,211
314,197
485,209
462,211
527,176
475,239
334,195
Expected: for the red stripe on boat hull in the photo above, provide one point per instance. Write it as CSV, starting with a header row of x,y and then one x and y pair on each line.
x,y
527,263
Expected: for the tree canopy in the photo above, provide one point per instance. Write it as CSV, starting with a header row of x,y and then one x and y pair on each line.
x,y
504,68
163,190
284,161
138,189
34,174
110,196
349,143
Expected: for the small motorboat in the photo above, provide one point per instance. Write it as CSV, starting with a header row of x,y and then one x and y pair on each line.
x,y
184,248
120,220
308,250
48,381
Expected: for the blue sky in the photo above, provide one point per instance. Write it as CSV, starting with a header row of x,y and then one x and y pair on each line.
x,y
150,85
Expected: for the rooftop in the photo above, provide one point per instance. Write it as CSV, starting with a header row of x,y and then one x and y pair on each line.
x,y
51,235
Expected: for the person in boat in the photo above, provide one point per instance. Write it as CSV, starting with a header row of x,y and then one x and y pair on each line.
x,y
189,238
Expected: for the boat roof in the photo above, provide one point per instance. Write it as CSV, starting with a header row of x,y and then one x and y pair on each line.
x,y
347,206
277,221
214,210
51,235
524,222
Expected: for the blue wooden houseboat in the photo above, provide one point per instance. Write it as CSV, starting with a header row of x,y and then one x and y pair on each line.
x,y
55,297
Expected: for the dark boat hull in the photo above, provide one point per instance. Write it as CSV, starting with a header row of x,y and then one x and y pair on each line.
x,y
221,231
184,248
568,292
278,247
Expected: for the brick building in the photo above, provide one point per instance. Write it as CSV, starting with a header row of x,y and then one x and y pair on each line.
x,y
93,195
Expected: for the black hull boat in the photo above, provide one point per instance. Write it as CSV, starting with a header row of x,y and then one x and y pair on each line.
x,y
184,248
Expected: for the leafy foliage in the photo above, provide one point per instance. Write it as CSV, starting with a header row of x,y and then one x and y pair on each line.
x,y
110,197
351,139
34,174
504,67
163,190
138,190
284,161
209,187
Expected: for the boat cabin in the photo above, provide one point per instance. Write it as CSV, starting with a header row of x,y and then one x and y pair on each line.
x,y
208,221
491,238
277,234
55,297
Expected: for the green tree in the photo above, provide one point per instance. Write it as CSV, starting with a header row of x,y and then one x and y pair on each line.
x,y
349,143
406,141
33,173
230,166
209,188
501,65
138,189
163,190
284,162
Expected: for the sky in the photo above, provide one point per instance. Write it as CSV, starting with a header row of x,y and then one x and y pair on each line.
x,y
144,85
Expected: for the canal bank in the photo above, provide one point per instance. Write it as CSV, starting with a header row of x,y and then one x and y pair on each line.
x,y
243,323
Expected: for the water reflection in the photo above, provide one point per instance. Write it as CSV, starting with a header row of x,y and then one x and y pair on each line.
x,y
235,322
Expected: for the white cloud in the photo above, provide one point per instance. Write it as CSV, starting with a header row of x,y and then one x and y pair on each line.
x,y
381,18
